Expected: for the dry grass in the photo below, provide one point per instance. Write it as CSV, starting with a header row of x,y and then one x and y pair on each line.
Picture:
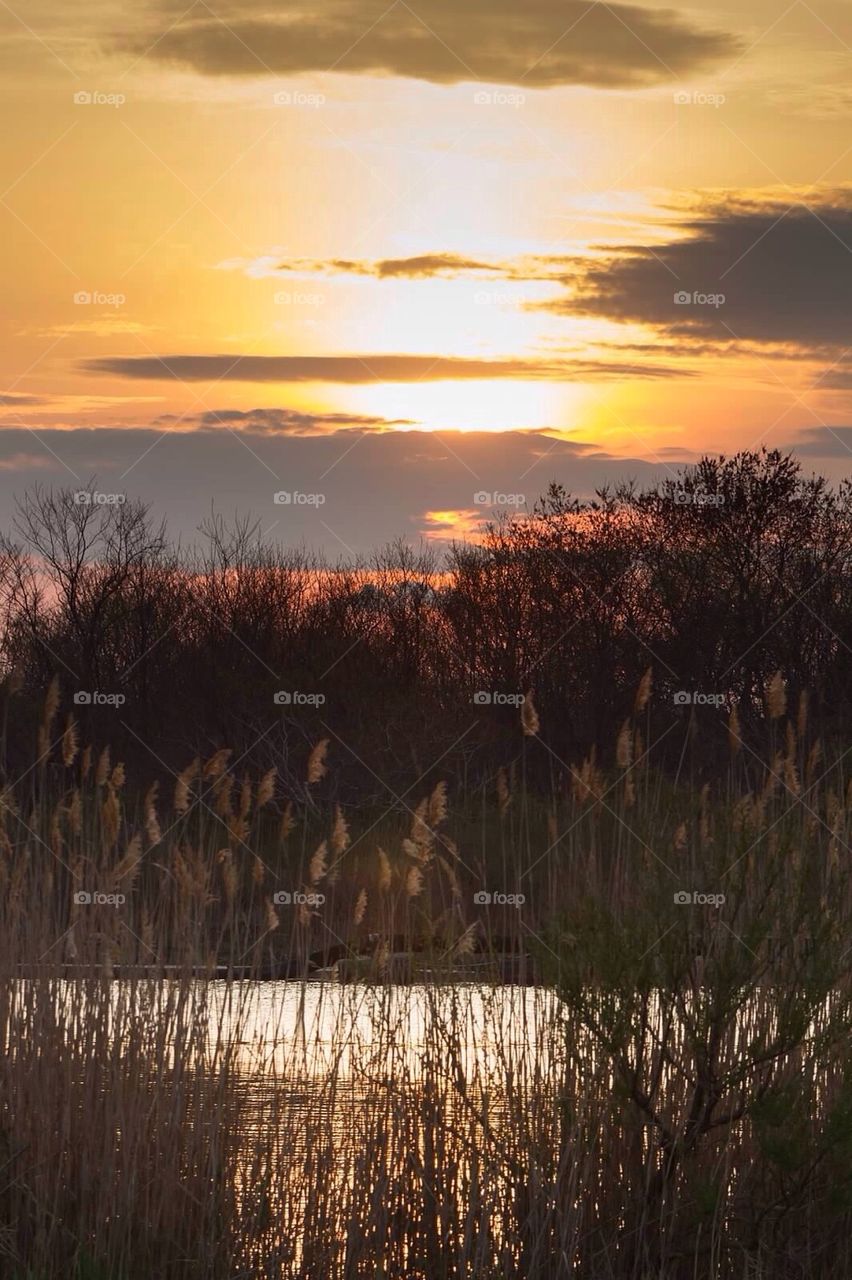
x,y
672,1099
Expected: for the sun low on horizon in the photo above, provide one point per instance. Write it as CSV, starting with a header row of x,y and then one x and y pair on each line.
x,y
401,253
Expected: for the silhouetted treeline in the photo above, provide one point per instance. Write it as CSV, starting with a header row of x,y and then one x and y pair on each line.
x,y
412,663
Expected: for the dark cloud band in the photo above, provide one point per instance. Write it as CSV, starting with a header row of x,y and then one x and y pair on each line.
x,y
539,43
772,274
362,369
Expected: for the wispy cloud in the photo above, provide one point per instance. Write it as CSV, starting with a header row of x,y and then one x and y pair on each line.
x,y
446,266
370,368
824,442
279,422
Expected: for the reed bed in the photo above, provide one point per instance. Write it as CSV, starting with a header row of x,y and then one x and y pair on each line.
x,y
642,1069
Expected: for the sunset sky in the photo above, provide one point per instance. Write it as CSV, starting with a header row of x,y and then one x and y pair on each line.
x,y
400,255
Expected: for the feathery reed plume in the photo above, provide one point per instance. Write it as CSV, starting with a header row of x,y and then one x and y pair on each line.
x,y
102,768
504,795
128,868
414,882
339,840
230,875
85,763
437,810
110,817
319,863
245,796
773,777
56,832
465,944
382,959
238,829
529,717
182,871
421,852
8,804
149,808
579,784
776,697
624,746
288,822
258,870
791,740
360,908
735,740
422,836
183,782
384,877
791,776
266,787
118,777
222,794
449,871
680,838
638,751
643,693
588,781
316,762
70,742
814,757
217,763
272,920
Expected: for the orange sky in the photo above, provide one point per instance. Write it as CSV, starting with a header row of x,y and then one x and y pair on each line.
x,y
596,240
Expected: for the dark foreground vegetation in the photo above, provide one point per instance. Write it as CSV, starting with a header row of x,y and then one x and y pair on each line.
x,y
718,578
570,999
673,1098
